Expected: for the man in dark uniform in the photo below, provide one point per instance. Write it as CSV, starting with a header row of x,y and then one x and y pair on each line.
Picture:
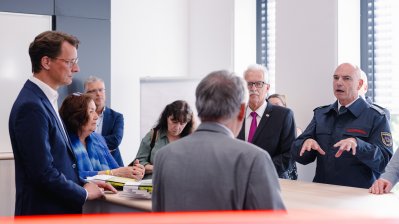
x,y
350,138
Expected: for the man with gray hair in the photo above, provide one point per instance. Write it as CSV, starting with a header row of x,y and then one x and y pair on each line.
x,y
109,122
210,169
270,127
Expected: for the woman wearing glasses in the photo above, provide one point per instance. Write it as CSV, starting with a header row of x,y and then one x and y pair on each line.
x,y
78,111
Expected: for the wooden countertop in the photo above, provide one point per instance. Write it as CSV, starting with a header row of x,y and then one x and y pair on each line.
x,y
312,197
139,204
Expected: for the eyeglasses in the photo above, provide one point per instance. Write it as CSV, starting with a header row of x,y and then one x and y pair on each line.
x,y
100,90
70,63
77,94
258,84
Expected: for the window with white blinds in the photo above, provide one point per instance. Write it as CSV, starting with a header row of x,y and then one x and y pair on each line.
x,y
266,37
381,58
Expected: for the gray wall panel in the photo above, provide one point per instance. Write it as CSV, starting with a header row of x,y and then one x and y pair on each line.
x,y
99,9
94,51
41,7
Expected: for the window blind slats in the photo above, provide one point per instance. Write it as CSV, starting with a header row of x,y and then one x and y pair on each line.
x,y
266,37
383,52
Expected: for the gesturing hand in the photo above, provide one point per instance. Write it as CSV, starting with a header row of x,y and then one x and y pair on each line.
x,y
346,145
311,144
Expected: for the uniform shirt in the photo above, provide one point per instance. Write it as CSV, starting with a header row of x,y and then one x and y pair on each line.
x,y
367,124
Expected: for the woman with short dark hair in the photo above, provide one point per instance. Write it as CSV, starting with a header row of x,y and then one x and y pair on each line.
x,y
78,111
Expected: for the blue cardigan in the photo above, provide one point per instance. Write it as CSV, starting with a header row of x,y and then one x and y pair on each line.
x,y
96,157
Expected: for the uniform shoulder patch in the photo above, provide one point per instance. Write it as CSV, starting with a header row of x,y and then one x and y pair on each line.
x,y
320,107
378,108
386,138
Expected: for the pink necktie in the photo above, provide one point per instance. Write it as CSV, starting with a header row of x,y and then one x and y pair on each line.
x,y
252,129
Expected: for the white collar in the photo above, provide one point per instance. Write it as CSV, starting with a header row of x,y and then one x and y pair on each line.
x,y
50,93
259,111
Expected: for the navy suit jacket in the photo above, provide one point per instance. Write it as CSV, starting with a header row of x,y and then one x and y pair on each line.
x,y
112,131
46,175
275,134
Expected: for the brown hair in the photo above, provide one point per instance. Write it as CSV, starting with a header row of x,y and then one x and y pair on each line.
x,y
180,111
73,111
48,44
280,97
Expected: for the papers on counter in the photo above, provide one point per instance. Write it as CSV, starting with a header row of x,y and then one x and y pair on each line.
x,y
131,188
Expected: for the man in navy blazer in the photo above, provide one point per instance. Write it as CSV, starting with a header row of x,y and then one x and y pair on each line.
x,y
109,122
46,176
275,130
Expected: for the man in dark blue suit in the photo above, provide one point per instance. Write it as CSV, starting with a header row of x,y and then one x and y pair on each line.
x,y
47,180
109,122
275,129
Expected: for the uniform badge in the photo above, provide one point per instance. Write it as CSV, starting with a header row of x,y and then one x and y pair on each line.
x,y
386,138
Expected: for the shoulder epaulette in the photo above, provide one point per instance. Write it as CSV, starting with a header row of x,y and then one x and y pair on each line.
x,y
378,108
320,107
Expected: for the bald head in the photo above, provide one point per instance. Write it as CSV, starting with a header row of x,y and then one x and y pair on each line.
x,y
349,68
347,83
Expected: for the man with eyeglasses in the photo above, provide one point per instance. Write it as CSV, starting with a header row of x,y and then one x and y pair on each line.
x,y
46,175
109,122
270,127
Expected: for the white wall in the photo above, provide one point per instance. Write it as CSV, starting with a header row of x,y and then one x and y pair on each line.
x,y
193,38
349,31
244,51
148,38
311,40
211,35
306,56
178,38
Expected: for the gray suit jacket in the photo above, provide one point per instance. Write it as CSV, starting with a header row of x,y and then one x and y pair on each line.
x,y
211,170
